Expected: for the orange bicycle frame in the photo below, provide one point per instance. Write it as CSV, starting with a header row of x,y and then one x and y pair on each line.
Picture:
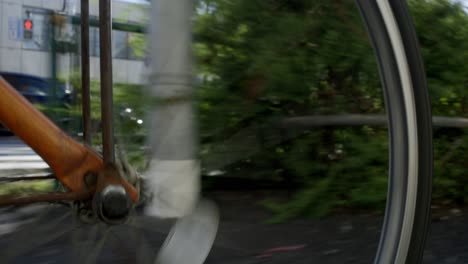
x,y
69,160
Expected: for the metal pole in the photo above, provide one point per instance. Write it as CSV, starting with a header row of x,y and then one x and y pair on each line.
x,y
105,31
85,78
174,164
53,81
174,170
172,119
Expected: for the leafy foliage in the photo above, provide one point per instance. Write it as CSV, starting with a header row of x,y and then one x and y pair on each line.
x,y
264,60
260,61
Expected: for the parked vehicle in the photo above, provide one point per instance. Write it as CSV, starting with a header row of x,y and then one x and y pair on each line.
x,y
37,90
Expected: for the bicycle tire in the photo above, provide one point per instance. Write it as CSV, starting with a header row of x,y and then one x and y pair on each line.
x,y
396,47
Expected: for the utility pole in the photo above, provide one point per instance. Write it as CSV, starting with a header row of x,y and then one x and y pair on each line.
x,y
174,170
171,80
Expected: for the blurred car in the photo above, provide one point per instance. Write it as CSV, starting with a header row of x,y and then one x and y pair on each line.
x,y
37,90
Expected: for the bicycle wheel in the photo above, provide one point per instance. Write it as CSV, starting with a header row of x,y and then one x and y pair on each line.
x,y
408,207
410,154
407,107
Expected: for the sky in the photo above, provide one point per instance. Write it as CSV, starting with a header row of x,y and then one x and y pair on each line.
x,y
464,2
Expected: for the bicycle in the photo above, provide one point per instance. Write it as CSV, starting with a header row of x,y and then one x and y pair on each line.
x,y
97,184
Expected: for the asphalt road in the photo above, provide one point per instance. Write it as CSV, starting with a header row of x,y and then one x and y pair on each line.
x,y
243,237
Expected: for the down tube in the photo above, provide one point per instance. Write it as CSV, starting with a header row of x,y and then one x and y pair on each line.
x,y
68,159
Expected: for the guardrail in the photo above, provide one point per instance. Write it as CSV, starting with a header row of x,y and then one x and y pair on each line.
x,y
360,120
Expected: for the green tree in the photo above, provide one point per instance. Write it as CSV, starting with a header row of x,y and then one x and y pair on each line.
x,y
268,59
443,34
273,59
260,60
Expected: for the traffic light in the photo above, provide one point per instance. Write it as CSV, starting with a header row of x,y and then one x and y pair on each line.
x,y
28,29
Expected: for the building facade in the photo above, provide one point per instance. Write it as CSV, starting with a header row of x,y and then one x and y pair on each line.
x,y
30,51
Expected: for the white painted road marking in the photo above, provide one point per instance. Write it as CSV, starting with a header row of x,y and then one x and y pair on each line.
x,y
17,157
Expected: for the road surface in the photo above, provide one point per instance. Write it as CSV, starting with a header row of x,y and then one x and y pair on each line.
x,y
243,237
17,158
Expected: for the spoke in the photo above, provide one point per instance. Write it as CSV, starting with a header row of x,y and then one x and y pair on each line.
x,y
105,29
152,224
46,197
37,233
35,225
93,255
144,254
82,240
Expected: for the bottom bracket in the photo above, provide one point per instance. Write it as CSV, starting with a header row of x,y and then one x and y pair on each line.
x,y
112,204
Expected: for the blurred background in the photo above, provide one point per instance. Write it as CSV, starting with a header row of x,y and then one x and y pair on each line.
x,y
266,72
